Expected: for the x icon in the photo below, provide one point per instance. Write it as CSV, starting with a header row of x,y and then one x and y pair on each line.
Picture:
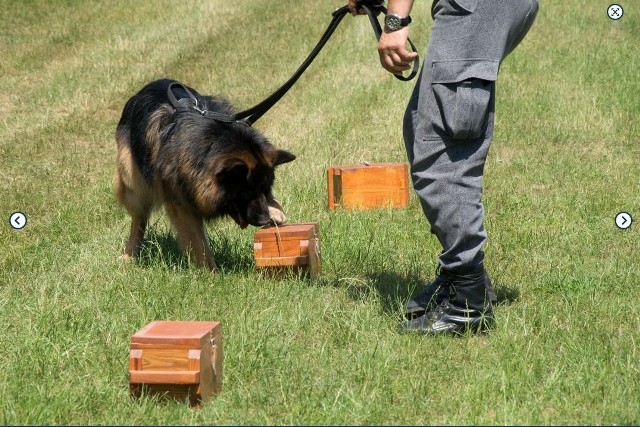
x,y
615,12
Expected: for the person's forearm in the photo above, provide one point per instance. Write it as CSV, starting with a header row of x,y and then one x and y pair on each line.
x,y
400,7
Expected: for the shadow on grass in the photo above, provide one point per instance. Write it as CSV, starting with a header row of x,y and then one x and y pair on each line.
x,y
391,288
394,290
506,294
160,248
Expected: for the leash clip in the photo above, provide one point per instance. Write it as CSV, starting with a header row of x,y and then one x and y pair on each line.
x,y
202,111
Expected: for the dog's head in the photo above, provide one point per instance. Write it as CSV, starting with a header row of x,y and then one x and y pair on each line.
x,y
245,178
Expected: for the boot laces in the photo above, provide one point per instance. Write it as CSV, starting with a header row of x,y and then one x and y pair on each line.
x,y
451,291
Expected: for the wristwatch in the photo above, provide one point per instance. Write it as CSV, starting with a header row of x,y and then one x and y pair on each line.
x,y
393,22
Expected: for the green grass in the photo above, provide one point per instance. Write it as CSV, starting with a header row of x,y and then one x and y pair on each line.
x,y
564,161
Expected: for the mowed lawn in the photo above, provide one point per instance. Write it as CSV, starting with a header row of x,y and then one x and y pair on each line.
x,y
564,161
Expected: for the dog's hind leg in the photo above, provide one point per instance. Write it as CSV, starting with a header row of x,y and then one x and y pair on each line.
x,y
136,236
140,211
191,235
135,195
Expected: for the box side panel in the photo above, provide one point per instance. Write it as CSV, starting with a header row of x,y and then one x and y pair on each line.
x,y
164,377
216,362
281,248
165,359
282,261
333,187
375,187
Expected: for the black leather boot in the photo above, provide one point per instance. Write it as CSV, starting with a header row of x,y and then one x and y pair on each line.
x,y
429,298
438,290
466,307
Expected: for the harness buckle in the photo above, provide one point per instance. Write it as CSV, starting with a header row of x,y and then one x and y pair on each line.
x,y
202,111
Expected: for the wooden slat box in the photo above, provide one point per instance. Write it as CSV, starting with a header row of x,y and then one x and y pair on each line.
x,y
177,359
291,247
376,185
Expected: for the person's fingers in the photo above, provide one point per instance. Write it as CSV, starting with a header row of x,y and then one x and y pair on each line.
x,y
407,56
393,63
353,8
357,10
397,61
394,55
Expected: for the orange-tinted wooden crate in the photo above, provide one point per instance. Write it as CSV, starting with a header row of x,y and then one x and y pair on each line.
x,y
177,359
376,185
288,247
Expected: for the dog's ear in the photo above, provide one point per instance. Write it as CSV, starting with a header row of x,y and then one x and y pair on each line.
x,y
283,156
232,170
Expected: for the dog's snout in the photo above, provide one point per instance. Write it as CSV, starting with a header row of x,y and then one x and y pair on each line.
x,y
259,219
258,212
264,219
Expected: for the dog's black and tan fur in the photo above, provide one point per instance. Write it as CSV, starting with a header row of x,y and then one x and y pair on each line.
x,y
198,168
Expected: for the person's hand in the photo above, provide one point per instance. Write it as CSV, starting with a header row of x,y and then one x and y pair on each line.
x,y
356,10
393,52
353,8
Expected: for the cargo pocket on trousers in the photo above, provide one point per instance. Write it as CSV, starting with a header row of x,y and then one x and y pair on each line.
x,y
462,89
468,5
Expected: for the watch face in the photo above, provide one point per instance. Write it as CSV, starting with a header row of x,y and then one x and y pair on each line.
x,y
392,22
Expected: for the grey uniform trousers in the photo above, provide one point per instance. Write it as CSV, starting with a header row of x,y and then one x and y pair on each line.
x,y
448,124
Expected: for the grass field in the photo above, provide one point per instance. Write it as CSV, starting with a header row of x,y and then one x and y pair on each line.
x,y
564,161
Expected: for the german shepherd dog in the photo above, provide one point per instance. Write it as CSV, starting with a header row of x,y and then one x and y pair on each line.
x,y
198,168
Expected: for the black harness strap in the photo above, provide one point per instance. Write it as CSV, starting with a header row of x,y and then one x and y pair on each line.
x,y
190,103
251,115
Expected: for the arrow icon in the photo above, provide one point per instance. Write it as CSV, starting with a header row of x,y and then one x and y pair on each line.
x,y
623,220
18,220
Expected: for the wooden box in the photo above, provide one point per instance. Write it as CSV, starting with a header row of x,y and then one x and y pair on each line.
x,y
288,247
376,185
177,359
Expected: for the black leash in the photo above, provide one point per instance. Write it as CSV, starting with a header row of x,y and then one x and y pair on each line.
x,y
251,115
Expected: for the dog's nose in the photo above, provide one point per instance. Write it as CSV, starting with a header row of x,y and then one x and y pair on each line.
x,y
264,219
260,219
258,212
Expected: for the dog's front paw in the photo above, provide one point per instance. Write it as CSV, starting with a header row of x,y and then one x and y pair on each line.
x,y
126,258
276,213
